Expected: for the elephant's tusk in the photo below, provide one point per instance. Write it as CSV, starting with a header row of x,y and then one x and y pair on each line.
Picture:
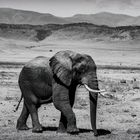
x,y
93,90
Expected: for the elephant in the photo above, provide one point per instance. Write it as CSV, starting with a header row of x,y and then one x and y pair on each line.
x,y
54,80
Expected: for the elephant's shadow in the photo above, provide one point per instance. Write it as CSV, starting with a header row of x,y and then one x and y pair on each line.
x,y
100,131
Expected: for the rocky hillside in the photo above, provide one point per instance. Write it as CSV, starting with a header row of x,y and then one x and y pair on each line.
x,y
75,31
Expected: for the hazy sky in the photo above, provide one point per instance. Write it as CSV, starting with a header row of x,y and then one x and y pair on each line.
x,y
71,7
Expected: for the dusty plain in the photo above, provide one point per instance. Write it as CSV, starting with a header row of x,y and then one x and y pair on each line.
x,y
118,116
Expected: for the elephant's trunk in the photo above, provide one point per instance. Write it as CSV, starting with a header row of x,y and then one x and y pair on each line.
x,y
91,84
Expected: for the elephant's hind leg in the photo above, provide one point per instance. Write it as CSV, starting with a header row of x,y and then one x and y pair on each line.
x,y
32,105
37,127
21,122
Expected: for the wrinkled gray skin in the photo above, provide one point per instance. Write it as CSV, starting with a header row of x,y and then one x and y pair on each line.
x,y
44,80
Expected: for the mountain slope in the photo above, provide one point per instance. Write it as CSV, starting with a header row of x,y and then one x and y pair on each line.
x,y
12,16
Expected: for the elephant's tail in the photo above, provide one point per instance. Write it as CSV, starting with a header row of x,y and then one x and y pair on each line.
x,y
18,104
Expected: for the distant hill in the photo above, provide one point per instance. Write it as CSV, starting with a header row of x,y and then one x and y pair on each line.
x,y
75,31
103,18
13,16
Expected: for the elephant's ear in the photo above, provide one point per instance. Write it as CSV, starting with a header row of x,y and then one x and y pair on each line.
x,y
61,66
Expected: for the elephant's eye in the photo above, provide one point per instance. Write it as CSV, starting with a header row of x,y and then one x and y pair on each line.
x,y
82,69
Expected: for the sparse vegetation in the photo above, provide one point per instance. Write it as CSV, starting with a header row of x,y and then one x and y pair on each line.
x,y
42,34
79,31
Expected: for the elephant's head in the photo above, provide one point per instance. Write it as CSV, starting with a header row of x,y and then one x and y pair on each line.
x,y
71,67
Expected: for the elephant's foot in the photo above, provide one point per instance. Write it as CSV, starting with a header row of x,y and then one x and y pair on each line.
x,y
61,128
22,127
72,130
95,133
37,129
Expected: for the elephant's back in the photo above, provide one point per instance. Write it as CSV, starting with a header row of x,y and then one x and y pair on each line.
x,y
37,62
37,70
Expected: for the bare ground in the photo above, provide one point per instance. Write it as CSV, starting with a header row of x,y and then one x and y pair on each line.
x,y
118,115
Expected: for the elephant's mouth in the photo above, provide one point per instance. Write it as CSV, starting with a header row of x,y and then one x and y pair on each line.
x,y
95,91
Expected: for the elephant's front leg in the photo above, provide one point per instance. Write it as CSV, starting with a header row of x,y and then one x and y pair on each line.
x,y
62,128
61,101
63,121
